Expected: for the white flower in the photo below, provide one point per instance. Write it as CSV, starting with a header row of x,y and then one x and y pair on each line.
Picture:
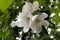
x,y
26,20
30,7
38,21
23,20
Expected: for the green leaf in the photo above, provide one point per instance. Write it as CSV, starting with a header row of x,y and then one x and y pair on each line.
x,y
36,12
43,2
4,4
6,34
1,34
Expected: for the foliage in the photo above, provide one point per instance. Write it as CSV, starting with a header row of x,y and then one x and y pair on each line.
x,y
9,11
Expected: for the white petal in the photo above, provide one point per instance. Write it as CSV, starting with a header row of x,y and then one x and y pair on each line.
x,y
45,23
43,15
20,15
27,7
24,9
36,26
13,24
37,29
34,17
35,5
30,15
25,29
19,23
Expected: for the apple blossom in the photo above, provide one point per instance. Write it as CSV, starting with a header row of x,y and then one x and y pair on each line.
x,y
38,21
26,20
30,7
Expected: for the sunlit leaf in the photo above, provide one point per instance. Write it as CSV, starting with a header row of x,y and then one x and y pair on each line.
x,y
4,4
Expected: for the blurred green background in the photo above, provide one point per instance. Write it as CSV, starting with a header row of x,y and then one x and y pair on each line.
x,y
9,9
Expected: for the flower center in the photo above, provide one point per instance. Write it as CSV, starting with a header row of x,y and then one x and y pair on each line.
x,y
31,7
38,20
28,18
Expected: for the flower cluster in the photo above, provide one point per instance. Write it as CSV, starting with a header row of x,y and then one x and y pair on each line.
x,y
26,20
